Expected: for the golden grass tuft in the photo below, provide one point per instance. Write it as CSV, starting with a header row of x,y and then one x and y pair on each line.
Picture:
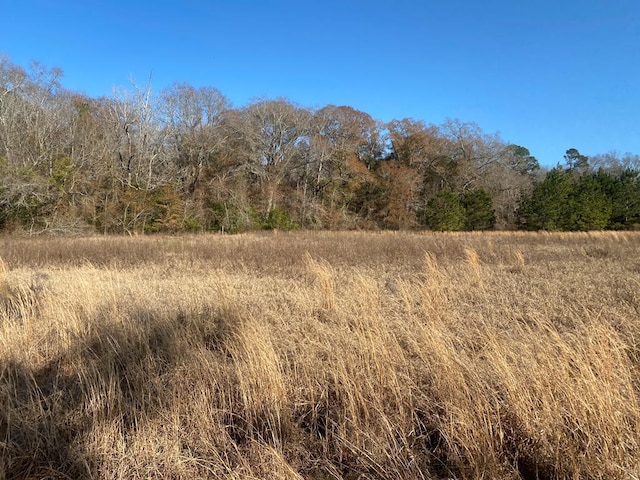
x,y
518,261
4,279
474,264
321,355
324,277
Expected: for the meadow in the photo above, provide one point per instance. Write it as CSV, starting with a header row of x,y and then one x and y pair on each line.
x,y
328,355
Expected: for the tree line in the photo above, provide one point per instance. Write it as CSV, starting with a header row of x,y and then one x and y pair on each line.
x,y
185,159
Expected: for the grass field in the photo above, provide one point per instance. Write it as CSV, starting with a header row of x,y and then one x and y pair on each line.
x,y
321,356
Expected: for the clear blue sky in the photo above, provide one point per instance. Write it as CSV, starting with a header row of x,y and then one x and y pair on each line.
x,y
545,74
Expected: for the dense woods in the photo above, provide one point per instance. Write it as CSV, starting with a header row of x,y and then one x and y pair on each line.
x,y
185,159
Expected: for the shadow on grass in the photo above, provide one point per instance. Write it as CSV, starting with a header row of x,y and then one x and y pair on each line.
x,y
118,374
47,413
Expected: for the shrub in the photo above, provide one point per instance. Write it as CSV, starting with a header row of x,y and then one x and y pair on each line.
x,y
278,218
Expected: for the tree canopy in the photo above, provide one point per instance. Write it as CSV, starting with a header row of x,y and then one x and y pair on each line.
x,y
185,159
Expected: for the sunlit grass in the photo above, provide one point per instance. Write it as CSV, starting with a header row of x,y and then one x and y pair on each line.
x,y
321,355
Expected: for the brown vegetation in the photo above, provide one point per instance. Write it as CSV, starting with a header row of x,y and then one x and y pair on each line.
x,y
321,355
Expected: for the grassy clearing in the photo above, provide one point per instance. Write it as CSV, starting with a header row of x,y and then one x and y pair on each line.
x,y
321,356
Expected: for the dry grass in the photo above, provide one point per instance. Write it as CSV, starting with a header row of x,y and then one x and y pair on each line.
x,y
321,356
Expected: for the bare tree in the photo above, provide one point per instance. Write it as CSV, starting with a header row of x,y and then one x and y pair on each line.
x,y
141,144
12,79
31,128
276,136
192,119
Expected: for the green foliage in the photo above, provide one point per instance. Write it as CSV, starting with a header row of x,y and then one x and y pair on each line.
x,y
576,161
278,218
520,159
368,200
230,217
591,206
166,210
566,202
624,192
550,203
473,210
218,218
31,211
479,211
445,212
192,225
63,173
4,211
25,198
133,210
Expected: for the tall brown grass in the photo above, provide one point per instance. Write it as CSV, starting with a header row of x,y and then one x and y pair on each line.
x,y
321,356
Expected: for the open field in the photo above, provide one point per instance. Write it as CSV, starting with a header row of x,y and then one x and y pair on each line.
x,y
321,356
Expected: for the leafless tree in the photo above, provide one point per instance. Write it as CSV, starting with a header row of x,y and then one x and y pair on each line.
x,y
275,133
192,121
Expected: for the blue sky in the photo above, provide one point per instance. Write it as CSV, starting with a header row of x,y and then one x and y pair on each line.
x,y
547,75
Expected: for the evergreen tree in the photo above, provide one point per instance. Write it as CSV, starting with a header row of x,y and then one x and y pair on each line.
x,y
445,212
591,206
551,202
478,206
624,192
576,162
520,160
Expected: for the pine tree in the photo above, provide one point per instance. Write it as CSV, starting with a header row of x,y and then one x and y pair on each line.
x,y
591,206
445,212
550,205
624,192
478,206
